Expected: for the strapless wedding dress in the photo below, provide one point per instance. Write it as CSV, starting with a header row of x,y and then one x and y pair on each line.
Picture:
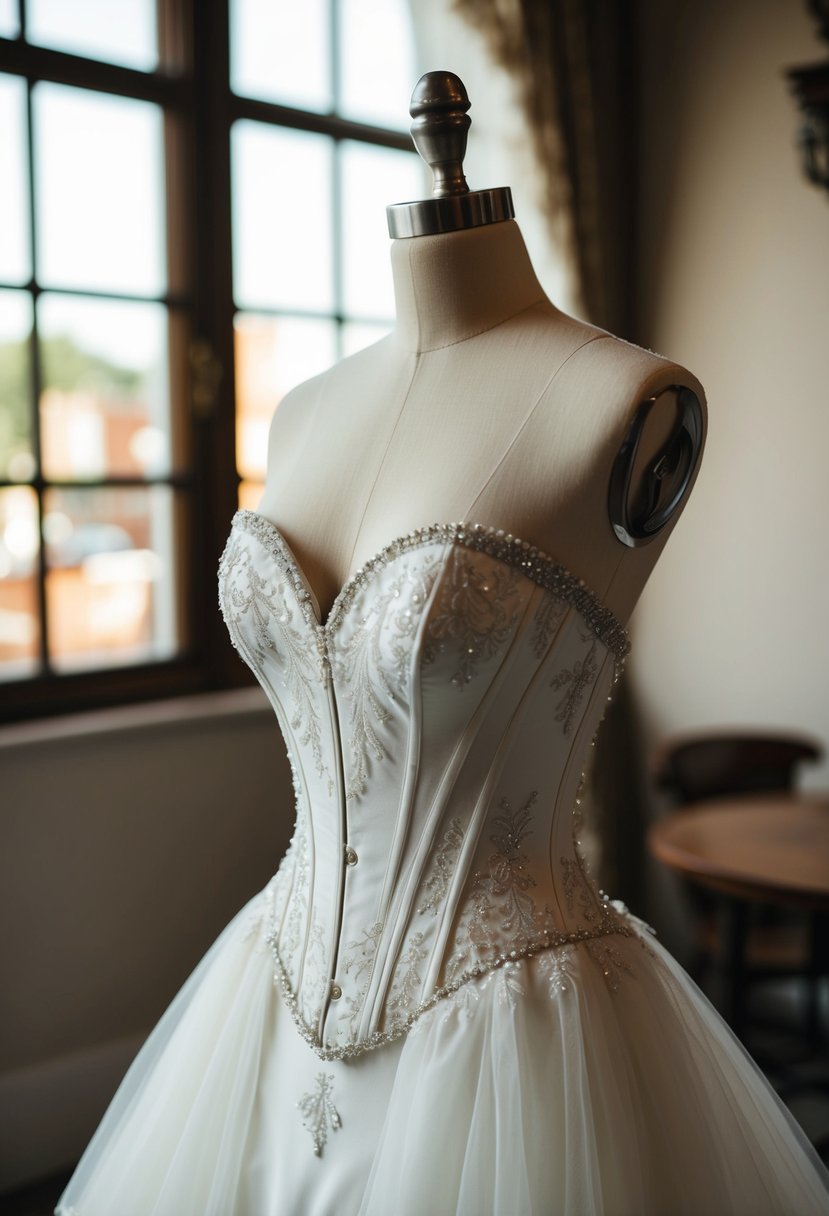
x,y
430,1009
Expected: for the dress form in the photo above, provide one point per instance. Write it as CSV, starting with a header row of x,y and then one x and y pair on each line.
x,y
486,404
430,1007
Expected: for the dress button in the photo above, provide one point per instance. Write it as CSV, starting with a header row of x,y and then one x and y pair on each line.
x,y
336,992
350,856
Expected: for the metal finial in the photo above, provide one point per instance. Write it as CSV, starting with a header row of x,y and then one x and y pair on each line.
x,y
441,125
439,130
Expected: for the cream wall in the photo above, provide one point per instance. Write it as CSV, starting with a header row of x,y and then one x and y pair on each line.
x,y
735,283
129,839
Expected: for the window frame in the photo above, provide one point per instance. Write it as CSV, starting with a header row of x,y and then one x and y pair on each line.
x,y
192,87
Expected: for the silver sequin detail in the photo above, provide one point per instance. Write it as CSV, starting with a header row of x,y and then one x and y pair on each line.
x,y
530,561
319,1112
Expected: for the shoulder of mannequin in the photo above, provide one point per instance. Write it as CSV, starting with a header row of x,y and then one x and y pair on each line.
x,y
302,401
626,371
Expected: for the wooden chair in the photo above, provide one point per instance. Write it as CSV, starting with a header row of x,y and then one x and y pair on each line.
x,y
715,765
693,768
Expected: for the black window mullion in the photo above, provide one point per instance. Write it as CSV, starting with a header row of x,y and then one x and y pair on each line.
x,y
20,58
195,91
336,174
215,430
36,383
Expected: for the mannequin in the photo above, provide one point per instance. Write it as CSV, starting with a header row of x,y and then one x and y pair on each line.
x,y
430,1007
486,404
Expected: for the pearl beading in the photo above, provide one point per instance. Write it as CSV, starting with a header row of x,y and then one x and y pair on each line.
x,y
381,1038
530,561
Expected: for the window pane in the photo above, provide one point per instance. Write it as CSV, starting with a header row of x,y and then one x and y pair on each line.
x,y
250,494
282,256
98,162
377,62
356,336
19,630
9,24
372,178
15,258
17,461
110,581
105,407
118,31
281,51
273,354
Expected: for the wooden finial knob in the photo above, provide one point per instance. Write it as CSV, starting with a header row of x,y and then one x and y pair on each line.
x,y
441,124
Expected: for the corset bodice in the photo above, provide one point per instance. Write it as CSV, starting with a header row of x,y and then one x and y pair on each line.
x,y
437,725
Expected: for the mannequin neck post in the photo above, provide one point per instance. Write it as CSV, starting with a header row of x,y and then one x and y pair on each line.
x,y
454,285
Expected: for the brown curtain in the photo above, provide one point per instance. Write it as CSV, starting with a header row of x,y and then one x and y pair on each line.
x,y
571,61
572,64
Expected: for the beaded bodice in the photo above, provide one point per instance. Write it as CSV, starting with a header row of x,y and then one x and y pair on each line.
x,y
437,725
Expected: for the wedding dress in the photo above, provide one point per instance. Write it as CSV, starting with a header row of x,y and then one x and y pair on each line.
x,y
430,1009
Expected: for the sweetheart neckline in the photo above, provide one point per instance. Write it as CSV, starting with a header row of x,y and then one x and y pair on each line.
x,y
602,619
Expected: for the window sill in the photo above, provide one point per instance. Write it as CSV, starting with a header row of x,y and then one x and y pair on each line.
x,y
232,706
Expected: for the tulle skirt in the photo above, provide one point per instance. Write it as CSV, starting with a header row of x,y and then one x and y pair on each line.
x,y
555,1085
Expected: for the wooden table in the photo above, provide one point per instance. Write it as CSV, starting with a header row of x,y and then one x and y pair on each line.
x,y
756,848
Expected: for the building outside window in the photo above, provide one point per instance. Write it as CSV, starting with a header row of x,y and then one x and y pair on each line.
x,y
192,222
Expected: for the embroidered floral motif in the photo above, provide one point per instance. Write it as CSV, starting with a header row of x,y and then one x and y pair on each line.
x,y
319,1112
526,559
501,915
362,667
501,892
315,990
415,589
369,692
358,961
246,595
556,967
508,984
547,619
576,679
464,1001
473,613
443,864
293,875
576,882
613,966
407,981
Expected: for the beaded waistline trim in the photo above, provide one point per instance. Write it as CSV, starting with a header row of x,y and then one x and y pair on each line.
x,y
381,1038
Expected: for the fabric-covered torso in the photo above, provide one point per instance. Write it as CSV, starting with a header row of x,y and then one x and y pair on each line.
x,y
437,725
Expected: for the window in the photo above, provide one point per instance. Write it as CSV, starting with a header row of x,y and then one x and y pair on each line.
x,y
193,222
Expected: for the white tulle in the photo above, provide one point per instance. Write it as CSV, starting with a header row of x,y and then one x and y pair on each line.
x,y
528,1092
431,1010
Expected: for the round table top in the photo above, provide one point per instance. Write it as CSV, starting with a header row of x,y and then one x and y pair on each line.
x,y
770,847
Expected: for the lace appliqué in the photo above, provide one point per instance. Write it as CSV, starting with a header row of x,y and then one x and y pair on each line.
x,y
609,960
557,968
359,961
444,860
371,682
577,886
547,619
576,679
521,556
501,915
245,594
319,1112
473,614
599,912
407,981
